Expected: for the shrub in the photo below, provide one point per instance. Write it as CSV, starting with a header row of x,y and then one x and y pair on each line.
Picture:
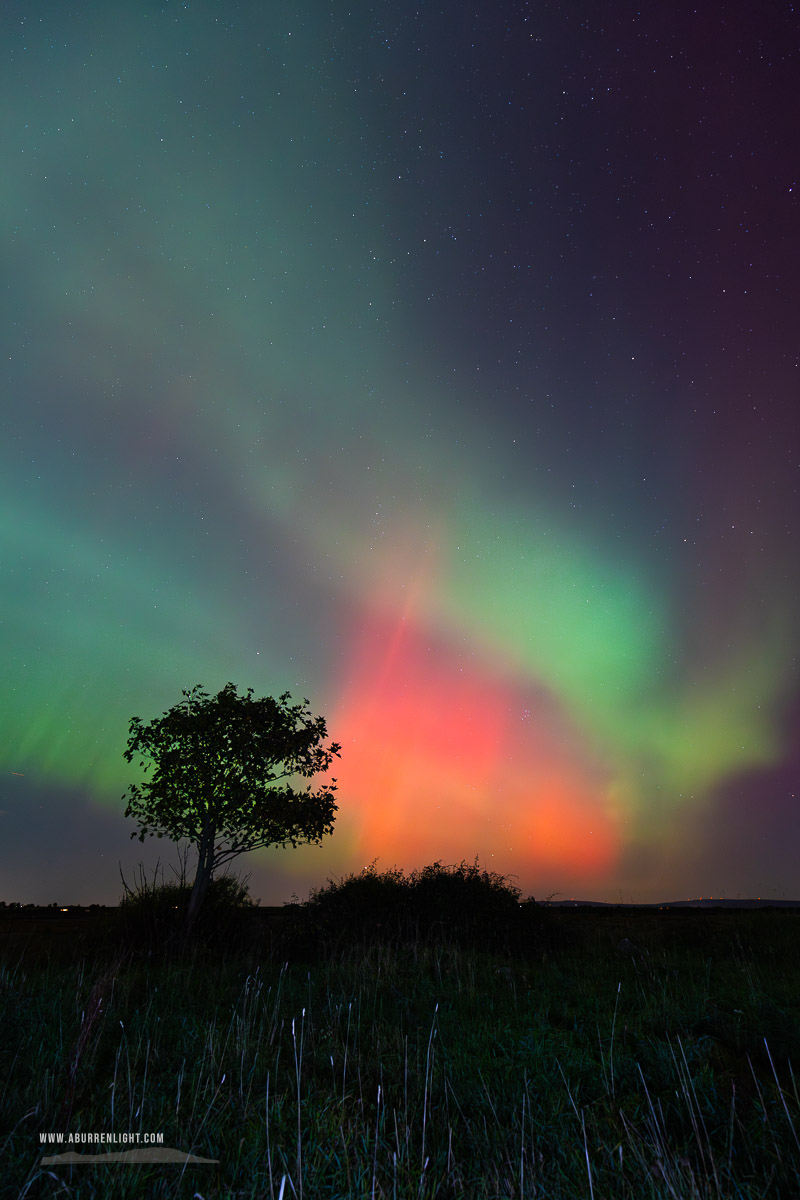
x,y
437,902
150,915
359,903
464,903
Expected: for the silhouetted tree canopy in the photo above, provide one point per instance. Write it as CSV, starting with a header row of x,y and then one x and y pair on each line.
x,y
222,771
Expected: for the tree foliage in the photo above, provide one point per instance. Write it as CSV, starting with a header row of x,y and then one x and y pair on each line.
x,y
224,772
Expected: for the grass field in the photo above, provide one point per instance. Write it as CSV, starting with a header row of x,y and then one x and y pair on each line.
x,y
578,1053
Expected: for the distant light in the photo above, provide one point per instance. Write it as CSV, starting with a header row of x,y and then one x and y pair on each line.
x,y
65,910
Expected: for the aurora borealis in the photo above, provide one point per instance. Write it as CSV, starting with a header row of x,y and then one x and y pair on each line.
x,y
438,365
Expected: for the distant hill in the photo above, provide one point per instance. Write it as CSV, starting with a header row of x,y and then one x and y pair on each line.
x,y
699,903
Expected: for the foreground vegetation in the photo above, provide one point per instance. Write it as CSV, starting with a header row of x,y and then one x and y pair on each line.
x,y
425,1037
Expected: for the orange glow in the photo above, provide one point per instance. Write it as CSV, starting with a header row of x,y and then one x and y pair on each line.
x,y
566,825
443,758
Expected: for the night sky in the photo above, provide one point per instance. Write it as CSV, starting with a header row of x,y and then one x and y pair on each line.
x,y
438,363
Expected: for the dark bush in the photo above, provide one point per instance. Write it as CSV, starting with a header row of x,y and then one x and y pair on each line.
x,y
150,915
358,904
464,898
435,903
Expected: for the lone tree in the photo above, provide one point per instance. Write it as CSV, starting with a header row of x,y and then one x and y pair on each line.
x,y
221,771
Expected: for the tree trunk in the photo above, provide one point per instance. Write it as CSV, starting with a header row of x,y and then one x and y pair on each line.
x,y
205,864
